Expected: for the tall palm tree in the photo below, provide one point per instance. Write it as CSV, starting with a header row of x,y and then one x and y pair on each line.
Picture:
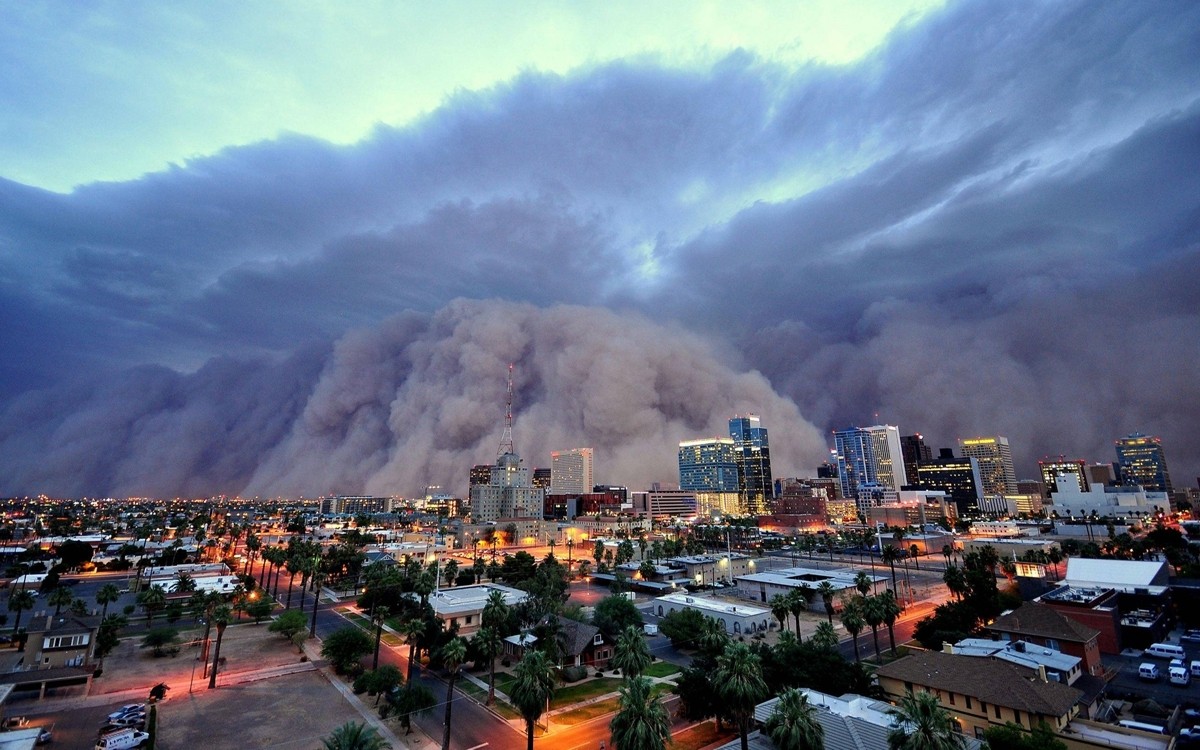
x,y
872,613
412,628
891,612
740,685
184,583
631,655
107,594
793,725
487,644
827,591
797,600
152,600
60,596
221,617
495,611
641,722
453,654
532,689
379,616
355,736
922,724
853,621
863,582
890,556
779,608
956,581
19,601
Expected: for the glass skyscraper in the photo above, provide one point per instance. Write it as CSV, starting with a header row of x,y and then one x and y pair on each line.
x,y
1142,462
753,455
708,465
869,454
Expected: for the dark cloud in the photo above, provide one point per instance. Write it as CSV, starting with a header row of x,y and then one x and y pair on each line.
x,y
984,226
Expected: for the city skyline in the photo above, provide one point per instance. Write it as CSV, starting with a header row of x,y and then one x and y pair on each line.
x,y
296,256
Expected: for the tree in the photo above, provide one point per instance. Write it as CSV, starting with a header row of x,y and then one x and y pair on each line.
x,y
825,637
413,629
289,624
853,621
221,617
260,609
184,583
379,617
615,613
58,597
160,639
779,608
532,689
739,683
631,655
955,580
487,643
343,648
1015,737
797,600
862,582
641,722
827,591
107,594
890,609
453,654
683,627
872,613
922,724
793,725
415,698
152,600
19,601
890,555
355,736
380,682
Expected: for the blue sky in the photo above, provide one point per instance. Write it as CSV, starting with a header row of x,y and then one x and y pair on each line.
x,y
250,250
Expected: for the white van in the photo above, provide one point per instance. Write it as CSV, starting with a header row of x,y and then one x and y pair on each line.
x,y
1195,667
122,739
1179,676
1148,671
1166,651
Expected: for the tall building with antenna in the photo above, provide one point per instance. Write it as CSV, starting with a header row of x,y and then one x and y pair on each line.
x,y
509,492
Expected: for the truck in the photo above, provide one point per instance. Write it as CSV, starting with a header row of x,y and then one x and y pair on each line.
x,y
121,739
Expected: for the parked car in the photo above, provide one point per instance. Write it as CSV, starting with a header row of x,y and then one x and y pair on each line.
x,y
1191,636
128,708
130,720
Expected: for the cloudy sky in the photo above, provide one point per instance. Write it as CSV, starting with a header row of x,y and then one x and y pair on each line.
x,y
250,248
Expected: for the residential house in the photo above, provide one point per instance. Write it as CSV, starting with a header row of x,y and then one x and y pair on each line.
x,y
1047,627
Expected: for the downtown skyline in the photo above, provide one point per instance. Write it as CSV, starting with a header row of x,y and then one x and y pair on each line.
x,y
286,261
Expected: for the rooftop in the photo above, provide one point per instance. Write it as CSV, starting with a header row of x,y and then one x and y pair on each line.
x,y
1041,621
461,599
1120,574
841,578
714,605
1021,653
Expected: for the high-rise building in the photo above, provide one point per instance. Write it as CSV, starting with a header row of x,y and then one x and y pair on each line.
x,y
1143,463
571,471
995,463
753,455
509,493
915,453
708,465
957,477
480,474
541,478
1051,469
869,454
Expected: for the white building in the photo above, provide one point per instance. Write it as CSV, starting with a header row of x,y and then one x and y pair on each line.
x,y
463,605
737,618
509,493
1069,501
571,471
762,587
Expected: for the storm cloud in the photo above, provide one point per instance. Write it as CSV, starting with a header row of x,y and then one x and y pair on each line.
x,y
989,225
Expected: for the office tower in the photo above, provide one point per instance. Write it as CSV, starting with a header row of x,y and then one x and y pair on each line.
x,y
869,454
1142,462
571,471
1052,468
509,493
480,474
915,453
708,465
957,477
753,455
541,478
995,463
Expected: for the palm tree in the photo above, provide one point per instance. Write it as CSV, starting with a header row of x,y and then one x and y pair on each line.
x,y
890,556
824,637
872,613
793,725
956,581
631,655
779,608
641,722
60,596
184,583
891,611
18,602
379,616
862,582
532,689
355,736
853,621
453,654
797,600
827,592
107,594
740,685
914,551
495,611
947,550
922,724
152,600
487,644
221,616
412,628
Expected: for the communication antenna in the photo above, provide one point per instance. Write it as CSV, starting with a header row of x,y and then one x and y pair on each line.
x,y
506,440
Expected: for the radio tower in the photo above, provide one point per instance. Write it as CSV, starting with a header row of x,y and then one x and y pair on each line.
x,y
506,441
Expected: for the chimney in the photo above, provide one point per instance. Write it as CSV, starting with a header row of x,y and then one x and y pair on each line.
x,y
948,648
1042,673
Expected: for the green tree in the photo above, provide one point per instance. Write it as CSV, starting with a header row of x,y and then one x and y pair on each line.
x,y
487,643
922,724
793,725
797,601
890,556
631,654
221,617
288,623
413,630
1015,737
615,613
415,698
453,654
355,736
343,648
827,592
683,626
153,600
160,639
107,594
872,613
19,601
532,689
890,609
739,683
260,609
58,597
641,722
380,682
379,617
779,608
862,582
825,637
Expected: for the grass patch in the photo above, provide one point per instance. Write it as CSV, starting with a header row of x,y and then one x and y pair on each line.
x,y
583,691
701,735
662,669
660,689
583,713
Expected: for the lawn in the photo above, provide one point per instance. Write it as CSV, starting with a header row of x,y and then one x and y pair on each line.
x,y
701,735
662,669
582,691
583,713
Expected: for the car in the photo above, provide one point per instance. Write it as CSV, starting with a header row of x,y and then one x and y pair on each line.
x,y
45,734
129,720
128,708
1191,636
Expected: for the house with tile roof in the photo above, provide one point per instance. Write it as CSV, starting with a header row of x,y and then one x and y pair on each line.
x,y
1045,626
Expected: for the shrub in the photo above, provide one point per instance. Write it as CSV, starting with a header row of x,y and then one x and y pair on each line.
x,y
573,674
